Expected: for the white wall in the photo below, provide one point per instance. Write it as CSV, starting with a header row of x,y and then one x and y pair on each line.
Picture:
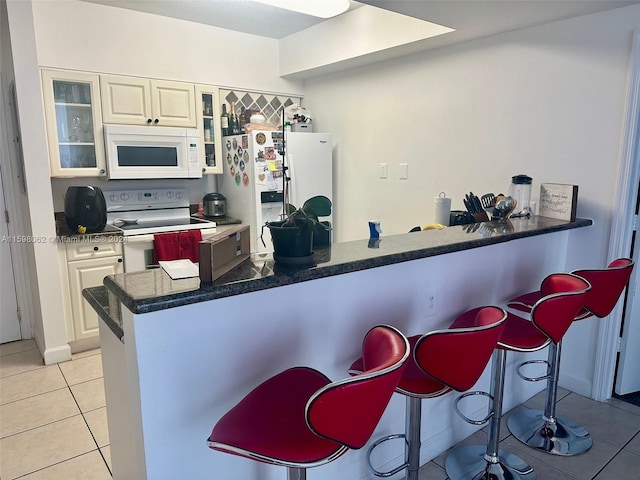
x,y
90,37
547,101
48,321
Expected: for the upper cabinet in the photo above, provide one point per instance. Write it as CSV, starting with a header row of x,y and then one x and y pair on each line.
x,y
207,98
74,124
139,101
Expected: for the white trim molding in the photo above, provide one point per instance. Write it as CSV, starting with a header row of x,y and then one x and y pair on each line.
x,y
621,228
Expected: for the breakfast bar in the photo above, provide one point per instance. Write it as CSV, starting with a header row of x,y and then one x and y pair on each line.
x,y
178,354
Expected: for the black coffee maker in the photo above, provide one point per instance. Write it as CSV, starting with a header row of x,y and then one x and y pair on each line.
x,y
85,209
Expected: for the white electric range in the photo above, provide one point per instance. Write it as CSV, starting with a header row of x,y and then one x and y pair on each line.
x,y
140,214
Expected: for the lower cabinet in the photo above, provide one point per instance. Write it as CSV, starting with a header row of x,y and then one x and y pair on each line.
x,y
87,265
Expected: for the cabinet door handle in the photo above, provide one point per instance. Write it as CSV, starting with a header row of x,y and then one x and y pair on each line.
x,y
102,171
95,249
119,260
156,121
149,120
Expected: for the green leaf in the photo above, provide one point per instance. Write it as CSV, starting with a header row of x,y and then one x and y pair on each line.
x,y
290,209
319,206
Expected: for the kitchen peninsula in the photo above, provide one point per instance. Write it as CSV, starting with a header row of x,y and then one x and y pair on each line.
x,y
177,354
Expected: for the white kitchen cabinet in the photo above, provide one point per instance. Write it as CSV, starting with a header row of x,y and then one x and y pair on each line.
x,y
141,101
74,124
208,101
87,265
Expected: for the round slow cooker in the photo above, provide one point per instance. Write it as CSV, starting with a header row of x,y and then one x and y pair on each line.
x,y
215,205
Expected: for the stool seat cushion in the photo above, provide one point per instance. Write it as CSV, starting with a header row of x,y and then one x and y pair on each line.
x,y
521,335
269,424
414,382
607,285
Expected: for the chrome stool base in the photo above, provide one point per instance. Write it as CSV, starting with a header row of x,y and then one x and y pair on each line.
x,y
411,439
562,437
470,462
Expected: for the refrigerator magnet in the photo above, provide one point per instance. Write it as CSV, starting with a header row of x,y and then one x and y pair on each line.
x,y
245,179
241,165
245,142
235,144
238,180
261,138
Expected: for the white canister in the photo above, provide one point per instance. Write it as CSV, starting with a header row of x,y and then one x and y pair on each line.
x,y
441,209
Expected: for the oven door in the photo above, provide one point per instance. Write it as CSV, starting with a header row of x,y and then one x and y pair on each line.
x,y
138,250
139,152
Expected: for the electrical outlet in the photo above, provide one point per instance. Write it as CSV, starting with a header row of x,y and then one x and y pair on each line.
x,y
384,170
430,303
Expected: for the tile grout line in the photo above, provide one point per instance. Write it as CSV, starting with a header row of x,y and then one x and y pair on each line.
x,y
84,419
48,466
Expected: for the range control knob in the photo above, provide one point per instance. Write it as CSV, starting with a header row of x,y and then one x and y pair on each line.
x,y
113,197
169,194
124,196
178,195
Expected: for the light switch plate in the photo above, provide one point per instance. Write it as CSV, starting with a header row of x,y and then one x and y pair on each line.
x,y
384,170
404,171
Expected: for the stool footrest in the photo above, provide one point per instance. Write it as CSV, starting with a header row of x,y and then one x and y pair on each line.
x,y
397,469
468,419
532,379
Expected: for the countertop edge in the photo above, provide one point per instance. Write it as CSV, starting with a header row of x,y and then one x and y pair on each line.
x,y
93,295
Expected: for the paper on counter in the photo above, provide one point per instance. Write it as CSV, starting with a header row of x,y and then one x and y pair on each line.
x,y
177,269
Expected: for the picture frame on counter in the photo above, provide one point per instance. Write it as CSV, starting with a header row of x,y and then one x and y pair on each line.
x,y
558,200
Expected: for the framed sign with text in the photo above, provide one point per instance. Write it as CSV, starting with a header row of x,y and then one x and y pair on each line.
x,y
559,201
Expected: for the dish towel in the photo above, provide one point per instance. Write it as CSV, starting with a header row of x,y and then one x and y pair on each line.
x,y
176,246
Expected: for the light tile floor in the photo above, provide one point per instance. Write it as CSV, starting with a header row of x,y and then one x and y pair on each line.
x,y
53,419
53,426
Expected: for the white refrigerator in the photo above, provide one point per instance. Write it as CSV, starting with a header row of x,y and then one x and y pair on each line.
x,y
253,179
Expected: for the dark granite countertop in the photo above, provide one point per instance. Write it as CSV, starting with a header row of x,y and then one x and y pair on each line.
x,y
63,230
152,290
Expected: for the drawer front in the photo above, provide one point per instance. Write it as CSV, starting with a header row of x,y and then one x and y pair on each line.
x,y
95,247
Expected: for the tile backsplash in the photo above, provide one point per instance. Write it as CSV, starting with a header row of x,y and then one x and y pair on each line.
x,y
269,105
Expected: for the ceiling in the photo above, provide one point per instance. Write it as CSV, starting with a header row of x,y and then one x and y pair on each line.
x,y
239,15
473,17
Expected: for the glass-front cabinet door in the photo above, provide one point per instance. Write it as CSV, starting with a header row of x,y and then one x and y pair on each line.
x,y
208,108
74,124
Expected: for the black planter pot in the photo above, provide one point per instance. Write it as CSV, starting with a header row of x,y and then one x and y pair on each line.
x,y
291,245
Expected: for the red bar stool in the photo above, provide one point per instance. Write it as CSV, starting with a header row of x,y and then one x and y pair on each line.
x,y
442,360
300,419
551,317
544,430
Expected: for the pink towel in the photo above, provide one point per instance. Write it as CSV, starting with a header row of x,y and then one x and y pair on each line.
x,y
176,245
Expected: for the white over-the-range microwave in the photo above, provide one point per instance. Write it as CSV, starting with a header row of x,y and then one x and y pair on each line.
x,y
140,152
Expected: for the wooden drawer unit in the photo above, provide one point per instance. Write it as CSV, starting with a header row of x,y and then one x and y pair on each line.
x,y
95,247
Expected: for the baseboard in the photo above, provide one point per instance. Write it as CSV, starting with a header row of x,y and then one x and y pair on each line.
x,y
90,343
578,385
57,354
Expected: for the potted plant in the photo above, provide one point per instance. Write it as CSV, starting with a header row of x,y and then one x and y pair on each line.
x,y
294,238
